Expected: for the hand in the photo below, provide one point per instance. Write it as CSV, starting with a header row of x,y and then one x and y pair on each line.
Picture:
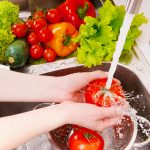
x,y
70,86
91,116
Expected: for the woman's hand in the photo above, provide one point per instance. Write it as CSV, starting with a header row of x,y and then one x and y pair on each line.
x,y
92,116
69,87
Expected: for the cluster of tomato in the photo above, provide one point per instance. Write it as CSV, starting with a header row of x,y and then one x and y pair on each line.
x,y
37,33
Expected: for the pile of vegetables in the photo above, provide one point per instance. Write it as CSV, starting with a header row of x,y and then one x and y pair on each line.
x,y
98,36
71,29
9,14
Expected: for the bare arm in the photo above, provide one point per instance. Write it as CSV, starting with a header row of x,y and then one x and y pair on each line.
x,y
25,87
17,129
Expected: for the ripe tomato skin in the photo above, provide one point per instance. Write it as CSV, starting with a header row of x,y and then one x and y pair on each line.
x,y
29,24
49,55
38,24
98,86
53,16
44,35
33,38
38,14
36,51
19,29
85,139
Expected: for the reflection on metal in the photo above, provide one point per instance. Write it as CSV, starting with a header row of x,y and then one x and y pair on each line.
x,y
133,6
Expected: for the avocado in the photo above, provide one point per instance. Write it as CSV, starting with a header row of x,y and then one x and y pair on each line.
x,y
17,53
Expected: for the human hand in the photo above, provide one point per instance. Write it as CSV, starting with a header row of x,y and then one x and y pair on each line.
x,y
70,86
91,116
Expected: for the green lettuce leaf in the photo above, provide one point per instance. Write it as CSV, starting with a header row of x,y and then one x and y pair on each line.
x,y
98,36
9,14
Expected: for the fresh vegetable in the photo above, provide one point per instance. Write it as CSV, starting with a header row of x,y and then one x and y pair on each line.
x,y
29,24
53,16
38,24
9,14
74,11
44,35
49,55
97,94
19,30
85,139
62,35
98,36
33,38
38,14
17,53
36,51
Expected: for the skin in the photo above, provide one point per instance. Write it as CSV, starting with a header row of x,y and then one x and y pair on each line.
x,y
17,129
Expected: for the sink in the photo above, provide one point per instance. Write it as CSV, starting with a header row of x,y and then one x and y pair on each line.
x,y
139,96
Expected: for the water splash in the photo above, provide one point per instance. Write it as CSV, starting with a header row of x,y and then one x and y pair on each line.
x,y
119,47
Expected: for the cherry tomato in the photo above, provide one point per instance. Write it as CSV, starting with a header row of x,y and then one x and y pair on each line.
x,y
53,16
38,24
36,51
49,55
19,29
97,94
85,139
44,35
38,14
33,38
29,24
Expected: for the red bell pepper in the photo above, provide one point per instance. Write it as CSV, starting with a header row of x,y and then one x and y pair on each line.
x,y
74,11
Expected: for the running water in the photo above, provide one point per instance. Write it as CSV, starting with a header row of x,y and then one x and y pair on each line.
x,y
119,47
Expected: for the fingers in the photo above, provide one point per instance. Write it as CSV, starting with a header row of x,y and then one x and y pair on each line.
x,y
79,80
106,123
110,112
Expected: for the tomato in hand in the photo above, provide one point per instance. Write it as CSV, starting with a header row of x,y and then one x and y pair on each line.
x,y
38,24
85,139
33,38
49,55
29,24
53,16
44,35
36,51
19,29
38,14
97,94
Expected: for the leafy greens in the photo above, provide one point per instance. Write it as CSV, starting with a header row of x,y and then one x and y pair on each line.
x,y
98,36
9,14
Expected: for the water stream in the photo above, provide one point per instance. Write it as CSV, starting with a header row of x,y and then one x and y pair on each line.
x,y
119,47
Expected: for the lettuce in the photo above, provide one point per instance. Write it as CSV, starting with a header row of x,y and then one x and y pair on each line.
x,y
98,36
9,14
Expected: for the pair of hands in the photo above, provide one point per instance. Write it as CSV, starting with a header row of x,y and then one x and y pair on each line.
x,y
87,115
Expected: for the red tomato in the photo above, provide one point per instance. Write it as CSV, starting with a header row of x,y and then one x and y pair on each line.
x,y
85,139
97,94
29,24
53,16
36,51
19,29
44,35
38,14
38,24
49,55
33,38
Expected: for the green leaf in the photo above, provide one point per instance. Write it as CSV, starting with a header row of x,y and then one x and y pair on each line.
x,y
98,36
